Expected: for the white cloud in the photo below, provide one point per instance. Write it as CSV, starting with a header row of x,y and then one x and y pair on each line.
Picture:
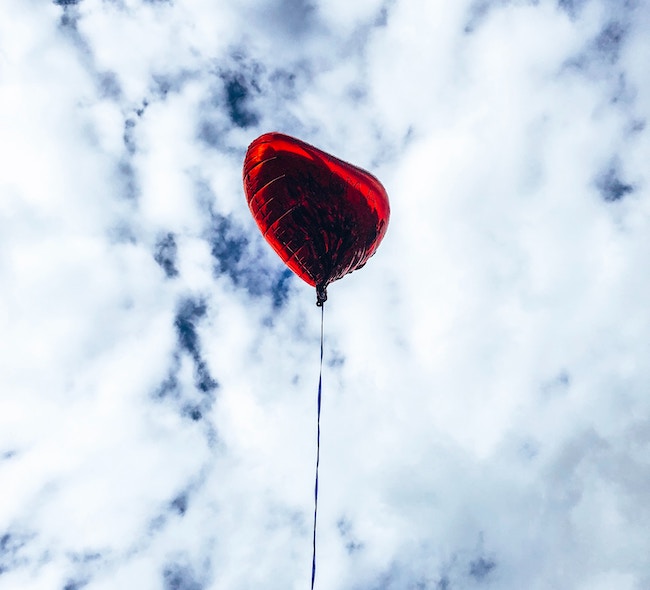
x,y
485,414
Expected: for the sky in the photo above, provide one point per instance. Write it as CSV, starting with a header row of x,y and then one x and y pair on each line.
x,y
486,405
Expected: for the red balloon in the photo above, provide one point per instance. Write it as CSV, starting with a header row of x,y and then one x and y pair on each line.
x,y
324,217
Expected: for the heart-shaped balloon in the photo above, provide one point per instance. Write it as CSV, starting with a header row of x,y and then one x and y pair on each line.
x,y
324,217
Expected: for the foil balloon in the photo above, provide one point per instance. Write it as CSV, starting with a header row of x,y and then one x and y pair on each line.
x,y
324,217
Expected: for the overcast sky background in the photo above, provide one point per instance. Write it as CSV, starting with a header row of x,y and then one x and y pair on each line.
x,y
486,410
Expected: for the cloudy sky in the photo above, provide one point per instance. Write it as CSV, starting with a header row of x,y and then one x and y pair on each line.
x,y
486,409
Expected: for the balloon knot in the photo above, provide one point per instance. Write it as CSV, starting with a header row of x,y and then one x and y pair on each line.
x,y
321,295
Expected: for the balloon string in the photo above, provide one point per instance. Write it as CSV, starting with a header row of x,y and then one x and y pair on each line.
x,y
320,388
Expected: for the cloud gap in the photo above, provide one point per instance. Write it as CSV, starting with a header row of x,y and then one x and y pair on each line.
x,y
10,454
244,261
169,386
479,11
179,504
66,2
165,83
572,7
128,180
86,564
352,543
166,253
192,403
610,185
294,18
480,568
180,576
128,136
76,584
11,551
238,91
477,14
109,85
126,170
190,312
609,41
87,557
602,51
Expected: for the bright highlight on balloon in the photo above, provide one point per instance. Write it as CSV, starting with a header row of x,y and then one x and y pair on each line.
x,y
324,217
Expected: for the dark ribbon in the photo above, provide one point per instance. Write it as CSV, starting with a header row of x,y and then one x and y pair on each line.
x,y
320,388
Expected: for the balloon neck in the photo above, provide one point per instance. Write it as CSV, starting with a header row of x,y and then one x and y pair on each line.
x,y
321,295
